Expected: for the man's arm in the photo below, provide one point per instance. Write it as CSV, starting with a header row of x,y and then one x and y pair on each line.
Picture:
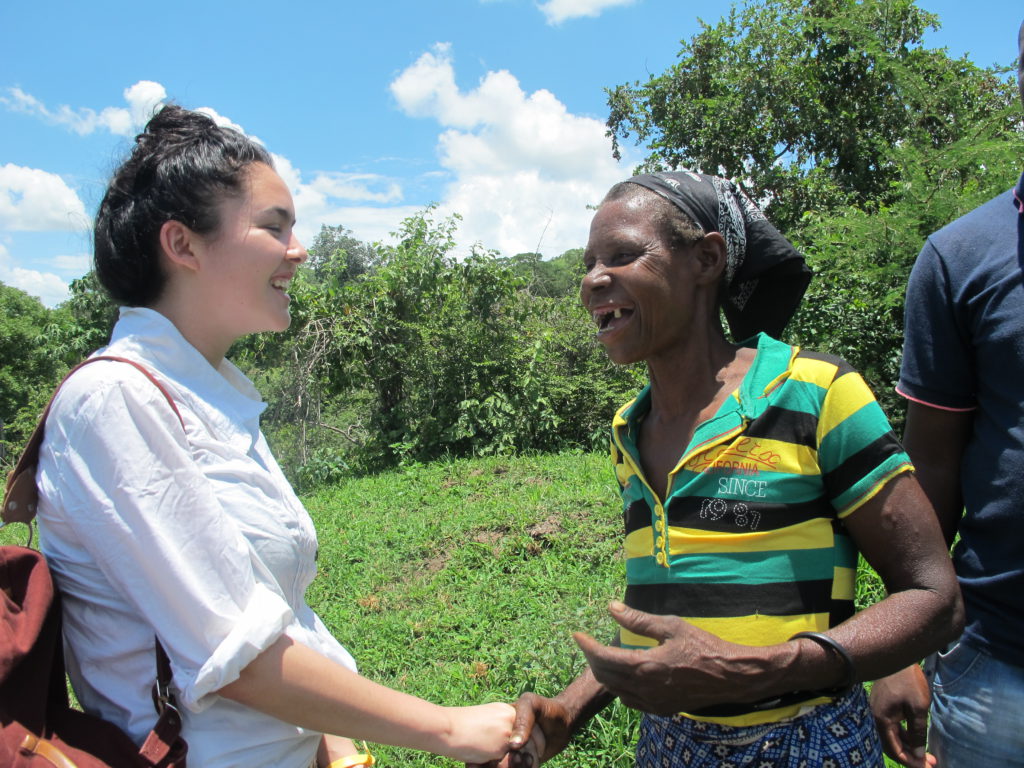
x,y
935,439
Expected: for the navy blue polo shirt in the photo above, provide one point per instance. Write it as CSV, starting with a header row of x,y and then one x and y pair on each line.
x,y
964,351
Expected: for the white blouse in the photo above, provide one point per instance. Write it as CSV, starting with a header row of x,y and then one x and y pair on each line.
x,y
193,535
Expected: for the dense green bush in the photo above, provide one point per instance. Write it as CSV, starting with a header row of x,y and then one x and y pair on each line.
x,y
425,355
857,139
37,347
862,259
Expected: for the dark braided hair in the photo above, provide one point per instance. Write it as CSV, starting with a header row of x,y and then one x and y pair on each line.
x,y
182,165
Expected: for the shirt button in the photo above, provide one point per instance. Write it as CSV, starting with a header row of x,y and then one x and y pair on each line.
x,y
659,526
660,542
660,558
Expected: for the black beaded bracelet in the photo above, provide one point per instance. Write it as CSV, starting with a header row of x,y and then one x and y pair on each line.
x,y
831,644
793,697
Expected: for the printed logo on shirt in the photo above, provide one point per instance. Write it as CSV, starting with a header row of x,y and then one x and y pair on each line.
x,y
746,456
742,515
743,486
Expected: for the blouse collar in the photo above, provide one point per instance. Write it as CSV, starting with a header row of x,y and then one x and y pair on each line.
x,y
224,396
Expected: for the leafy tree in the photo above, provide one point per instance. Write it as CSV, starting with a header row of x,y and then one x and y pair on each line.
x,y
94,314
804,102
336,257
293,371
425,355
30,364
425,334
553,278
856,139
854,306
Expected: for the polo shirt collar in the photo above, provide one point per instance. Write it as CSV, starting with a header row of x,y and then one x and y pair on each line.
x,y
771,366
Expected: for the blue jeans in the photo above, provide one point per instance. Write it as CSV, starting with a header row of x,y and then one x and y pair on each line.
x,y
977,715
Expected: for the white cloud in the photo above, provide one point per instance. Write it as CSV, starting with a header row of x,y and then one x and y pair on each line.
x,y
329,197
223,122
142,99
557,11
524,168
521,168
36,200
46,286
76,264
32,199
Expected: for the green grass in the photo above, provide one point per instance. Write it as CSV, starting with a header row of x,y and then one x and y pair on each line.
x,y
462,582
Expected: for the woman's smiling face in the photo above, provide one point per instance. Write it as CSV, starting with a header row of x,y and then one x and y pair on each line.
x,y
251,258
639,293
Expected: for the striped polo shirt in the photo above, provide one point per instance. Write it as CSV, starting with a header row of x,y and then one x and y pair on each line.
x,y
749,544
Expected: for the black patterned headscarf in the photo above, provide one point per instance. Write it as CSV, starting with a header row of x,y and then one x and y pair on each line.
x,y
765,276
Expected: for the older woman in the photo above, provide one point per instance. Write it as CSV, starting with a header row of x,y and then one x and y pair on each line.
x,y
751,475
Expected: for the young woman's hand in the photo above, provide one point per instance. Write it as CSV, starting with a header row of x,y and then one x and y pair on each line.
x,y
479,734
529,745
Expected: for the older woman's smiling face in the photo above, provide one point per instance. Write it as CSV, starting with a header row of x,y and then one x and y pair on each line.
x,y
640,295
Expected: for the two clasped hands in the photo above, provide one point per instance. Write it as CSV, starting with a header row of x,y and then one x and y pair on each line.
x,y
677,675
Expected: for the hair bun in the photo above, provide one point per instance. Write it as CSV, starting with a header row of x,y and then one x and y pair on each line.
x,y
181,166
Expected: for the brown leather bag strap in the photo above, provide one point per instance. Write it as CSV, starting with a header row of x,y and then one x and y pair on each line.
x,y
163,746
163,697
21,497
21,500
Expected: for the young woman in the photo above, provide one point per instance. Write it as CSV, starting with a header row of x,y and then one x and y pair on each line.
x,y
186,530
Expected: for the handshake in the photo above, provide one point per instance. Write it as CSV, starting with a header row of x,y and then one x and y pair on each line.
x,y
654,681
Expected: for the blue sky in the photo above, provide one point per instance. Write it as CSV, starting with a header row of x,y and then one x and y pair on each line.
x,y
491,108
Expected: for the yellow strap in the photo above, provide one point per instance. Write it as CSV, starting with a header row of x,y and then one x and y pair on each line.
x,y
47,750
355,761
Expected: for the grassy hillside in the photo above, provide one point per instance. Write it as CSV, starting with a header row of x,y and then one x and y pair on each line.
x,y
462,582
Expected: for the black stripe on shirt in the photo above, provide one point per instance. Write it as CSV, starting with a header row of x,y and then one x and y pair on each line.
x,y
840,611
685,512
693,600
786,426
637,515
861,464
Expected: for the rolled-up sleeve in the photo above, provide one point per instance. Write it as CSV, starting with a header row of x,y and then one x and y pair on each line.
x,y
857,450
135,499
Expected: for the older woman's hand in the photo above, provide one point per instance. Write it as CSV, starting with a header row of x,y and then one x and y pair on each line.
x,y
541,730
688,670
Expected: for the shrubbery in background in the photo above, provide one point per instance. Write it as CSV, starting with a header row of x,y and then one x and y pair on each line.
x,y
857,140
424,355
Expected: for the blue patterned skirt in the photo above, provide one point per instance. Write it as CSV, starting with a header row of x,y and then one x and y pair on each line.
x,y
839,734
